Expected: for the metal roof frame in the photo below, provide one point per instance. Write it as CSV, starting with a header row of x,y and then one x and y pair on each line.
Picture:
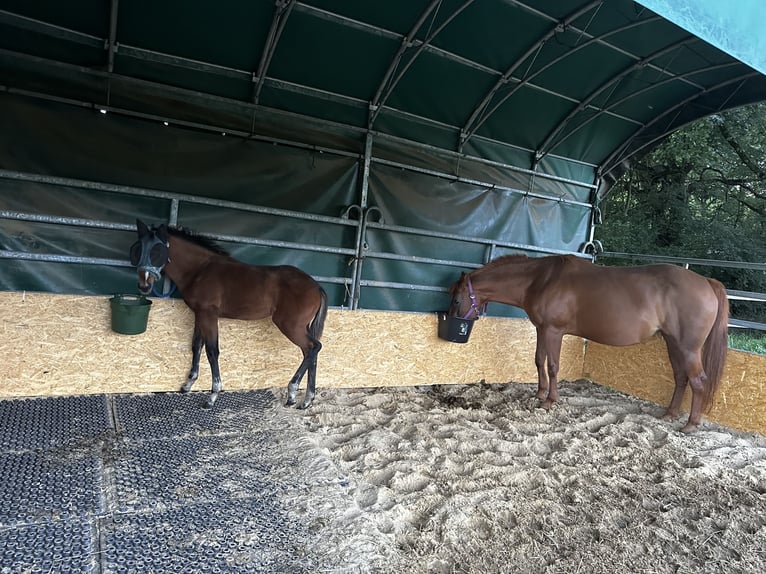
x,y
612,81
388,83
401,50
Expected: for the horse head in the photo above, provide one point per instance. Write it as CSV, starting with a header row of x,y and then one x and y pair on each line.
x,y
463,302
149,254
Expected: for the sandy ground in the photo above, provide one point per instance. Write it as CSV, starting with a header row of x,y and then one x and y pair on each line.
x,y
476,479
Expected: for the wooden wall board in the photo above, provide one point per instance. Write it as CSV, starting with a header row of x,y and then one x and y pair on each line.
x,y
64,345
644,371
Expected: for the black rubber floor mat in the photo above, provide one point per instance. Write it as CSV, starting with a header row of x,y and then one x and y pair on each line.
x,y
175,414
27,424
169,472
156,483
46,485
250,535
61,547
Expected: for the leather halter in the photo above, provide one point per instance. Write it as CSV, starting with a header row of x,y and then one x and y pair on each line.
x,y
475,309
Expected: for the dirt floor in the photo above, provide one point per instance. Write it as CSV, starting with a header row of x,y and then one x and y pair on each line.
x,y
476,479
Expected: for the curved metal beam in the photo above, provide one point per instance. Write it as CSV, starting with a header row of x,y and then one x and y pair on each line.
x,y
479,121
112,41
506,77
543,150
282,12
388,84
406,43
52,30
111,46
613,157
648,88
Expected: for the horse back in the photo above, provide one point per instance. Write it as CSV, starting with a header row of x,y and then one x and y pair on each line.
x,y
625,305
242,291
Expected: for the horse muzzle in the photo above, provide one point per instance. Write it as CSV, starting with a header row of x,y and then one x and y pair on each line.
x,y
146,278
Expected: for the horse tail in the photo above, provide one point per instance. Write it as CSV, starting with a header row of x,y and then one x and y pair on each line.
x,y
317,323
716,345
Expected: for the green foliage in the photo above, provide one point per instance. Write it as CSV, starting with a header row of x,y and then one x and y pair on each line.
x,y
752,342
701,193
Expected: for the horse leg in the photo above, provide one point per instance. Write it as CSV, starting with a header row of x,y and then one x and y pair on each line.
x,y
311,385
296,330
687,367
542,376
197,342
292,386
207,322
698,385
211,350
552,344
679,376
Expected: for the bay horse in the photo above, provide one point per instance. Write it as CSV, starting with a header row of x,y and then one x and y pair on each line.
x,y
213,284
619,306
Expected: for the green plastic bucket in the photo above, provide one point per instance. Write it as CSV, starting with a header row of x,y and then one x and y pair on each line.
x,y
130,313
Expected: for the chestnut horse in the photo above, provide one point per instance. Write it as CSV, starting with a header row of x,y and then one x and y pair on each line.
x,y
214,284
566,295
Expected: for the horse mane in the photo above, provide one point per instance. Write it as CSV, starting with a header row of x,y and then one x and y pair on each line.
x,y
504,260
189,235
549,267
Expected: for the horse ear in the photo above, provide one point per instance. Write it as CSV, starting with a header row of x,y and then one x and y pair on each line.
x,y
143,229
162,233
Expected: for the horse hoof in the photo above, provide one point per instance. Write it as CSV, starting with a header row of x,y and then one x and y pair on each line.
x,y
289,402
209,402
688,428
546,404
304,406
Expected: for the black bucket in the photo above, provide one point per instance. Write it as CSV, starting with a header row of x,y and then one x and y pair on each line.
x,y
454,329
130,314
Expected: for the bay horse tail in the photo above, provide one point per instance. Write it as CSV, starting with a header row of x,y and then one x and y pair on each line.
x,y
716,345
317,323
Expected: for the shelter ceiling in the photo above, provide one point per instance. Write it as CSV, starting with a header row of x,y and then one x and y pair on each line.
x,y
592,82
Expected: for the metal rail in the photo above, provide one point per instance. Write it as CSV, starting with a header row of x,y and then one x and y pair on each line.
x,y
357,253
354,216
684,260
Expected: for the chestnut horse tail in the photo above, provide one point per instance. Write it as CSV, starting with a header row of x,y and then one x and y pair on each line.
x,y
716,345
317,323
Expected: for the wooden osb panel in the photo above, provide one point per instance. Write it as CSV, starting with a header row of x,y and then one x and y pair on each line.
x,y
644,371
64,345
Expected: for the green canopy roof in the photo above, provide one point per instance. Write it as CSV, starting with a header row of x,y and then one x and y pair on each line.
x,y
543,85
